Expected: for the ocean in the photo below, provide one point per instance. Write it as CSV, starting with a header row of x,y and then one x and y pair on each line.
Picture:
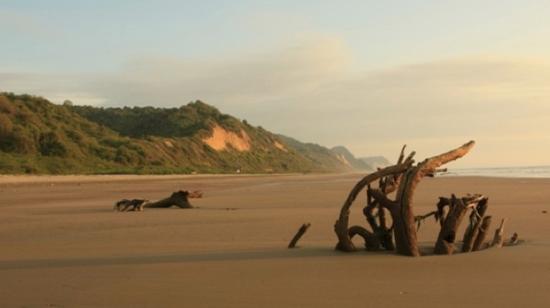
x,y
513,172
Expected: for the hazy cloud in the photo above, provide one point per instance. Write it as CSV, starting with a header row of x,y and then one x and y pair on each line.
x,y
312,91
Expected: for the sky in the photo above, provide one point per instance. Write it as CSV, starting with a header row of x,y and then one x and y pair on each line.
x,y
369,75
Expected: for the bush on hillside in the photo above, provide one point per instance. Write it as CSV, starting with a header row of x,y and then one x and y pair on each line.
x,y
6,106
50,145
6,126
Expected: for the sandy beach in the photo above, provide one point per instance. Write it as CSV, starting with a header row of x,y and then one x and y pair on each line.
x,y
63,246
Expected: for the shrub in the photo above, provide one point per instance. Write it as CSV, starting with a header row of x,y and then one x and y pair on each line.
x,y
6,126
6,106
50,145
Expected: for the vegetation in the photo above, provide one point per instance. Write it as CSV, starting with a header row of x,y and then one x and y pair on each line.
x,y
37,136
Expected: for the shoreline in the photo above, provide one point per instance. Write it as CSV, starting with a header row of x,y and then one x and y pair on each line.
x,y
93,178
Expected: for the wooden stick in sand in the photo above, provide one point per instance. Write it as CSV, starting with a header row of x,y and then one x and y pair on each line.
x,y
498,240
298,235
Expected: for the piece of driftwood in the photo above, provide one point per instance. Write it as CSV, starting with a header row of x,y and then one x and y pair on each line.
x,y
178,198
342,224
299,235
390,177
402,179
451,221
404,227
482,233
476,219
498,239
514,240
195,194
127,205
372,242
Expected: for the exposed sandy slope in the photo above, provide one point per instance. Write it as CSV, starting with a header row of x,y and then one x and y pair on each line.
x,y
62,246
222,138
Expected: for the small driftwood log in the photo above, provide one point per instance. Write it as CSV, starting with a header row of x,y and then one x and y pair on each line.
x,y
498,239
195,194
299,235
126,205
482,233
178,198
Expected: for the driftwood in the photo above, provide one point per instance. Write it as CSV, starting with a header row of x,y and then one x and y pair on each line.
x,y
482,233
299,235
178,198
195,194
342,224
498,239
126,205
514,240
401,208
392,189
451,221
476,219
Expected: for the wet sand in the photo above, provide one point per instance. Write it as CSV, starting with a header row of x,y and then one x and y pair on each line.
x,y
63,246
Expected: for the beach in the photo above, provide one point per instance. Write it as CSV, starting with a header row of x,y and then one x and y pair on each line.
x,y
64,246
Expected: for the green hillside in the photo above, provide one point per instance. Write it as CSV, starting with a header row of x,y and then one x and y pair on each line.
x,y
348,158
39,137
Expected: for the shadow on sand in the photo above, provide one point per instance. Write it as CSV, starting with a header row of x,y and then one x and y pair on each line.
x,y
175,258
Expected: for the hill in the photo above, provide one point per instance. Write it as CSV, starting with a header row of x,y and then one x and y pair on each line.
x,y
376,161
347,158
37,136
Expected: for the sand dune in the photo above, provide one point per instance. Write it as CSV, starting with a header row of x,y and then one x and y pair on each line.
x,y
64,247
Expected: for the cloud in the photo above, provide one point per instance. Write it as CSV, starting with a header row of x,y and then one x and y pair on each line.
x,y
25,24
313,91
249,79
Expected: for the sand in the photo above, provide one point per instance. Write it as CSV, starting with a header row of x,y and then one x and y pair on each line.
x,y
63,246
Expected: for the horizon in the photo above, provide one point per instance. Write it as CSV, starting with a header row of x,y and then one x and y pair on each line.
x,y
365,75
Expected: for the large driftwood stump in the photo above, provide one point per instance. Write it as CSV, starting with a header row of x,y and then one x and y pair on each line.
x,y
400,208
401,180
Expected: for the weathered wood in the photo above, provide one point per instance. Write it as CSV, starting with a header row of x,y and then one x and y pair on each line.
x,y
447,235
402,178
372,242
195,194
299,235
341,225
498,239
126,205
404,219
514,240
476,217
378,222
178,198
420,218
482,233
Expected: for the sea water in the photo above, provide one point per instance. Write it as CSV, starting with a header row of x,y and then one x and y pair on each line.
x,y
517,172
